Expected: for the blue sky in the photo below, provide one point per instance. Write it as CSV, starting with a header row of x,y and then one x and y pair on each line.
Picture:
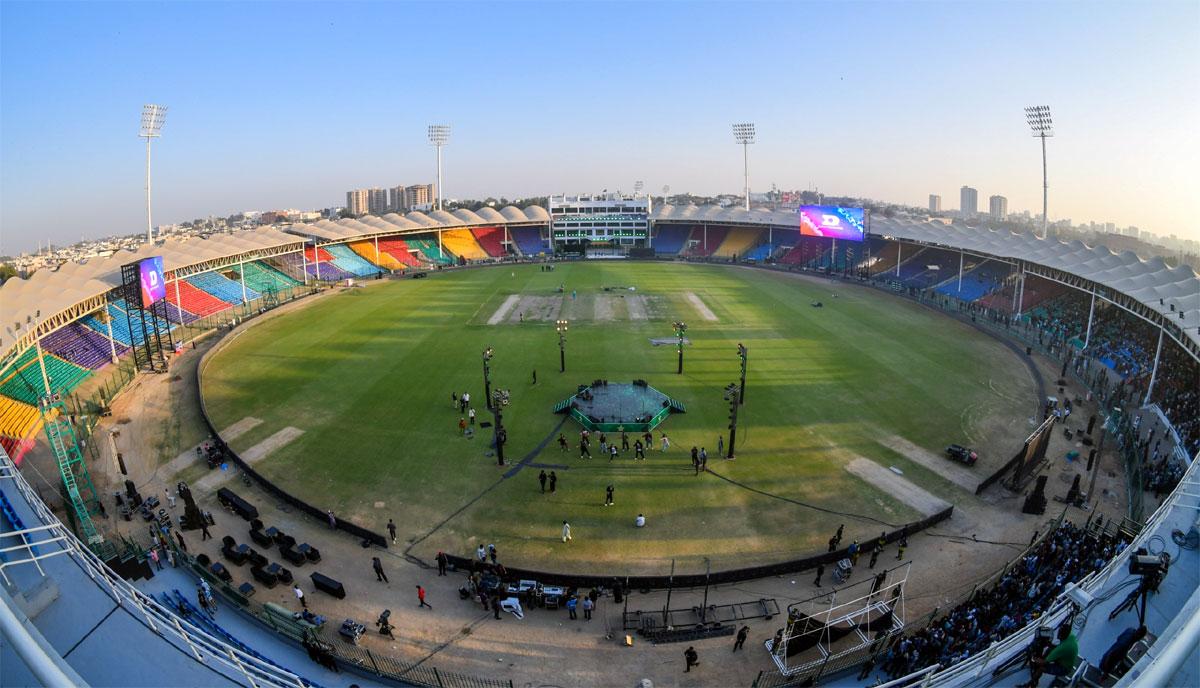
x,y
289,105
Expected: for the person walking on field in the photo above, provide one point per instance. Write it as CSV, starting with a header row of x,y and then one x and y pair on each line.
x,y
901,546
588,606
471,416
542,481
720,445
639,452
703,459
874,556
454,399
666,443
391,526
742,634
421,598
535,376
462,426
691,658
566,532
572,604
442,560
583,449
299,595
562,442
608,496
624,441
378,566
820,572
553,481
612,452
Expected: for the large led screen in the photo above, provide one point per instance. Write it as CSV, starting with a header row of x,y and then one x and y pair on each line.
x,y
832,222
150,273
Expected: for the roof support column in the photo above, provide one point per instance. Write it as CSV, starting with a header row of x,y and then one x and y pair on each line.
x,y
377,250
317,259
1021,292
304,264
1091,313
112,343
42,364
440,253
899,247
242,275
960,269
1154,373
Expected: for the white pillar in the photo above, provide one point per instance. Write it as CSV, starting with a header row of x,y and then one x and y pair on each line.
x,y
377,250
178,304
1091,312
898,247
317,261
960,269
242,275
706,236
833,255
770,239
1154,373
304,264
42,363
112,343
441,254
1021,293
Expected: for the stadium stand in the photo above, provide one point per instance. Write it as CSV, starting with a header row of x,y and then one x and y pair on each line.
x,y
195,300
528,240
383,259
24,382
221,287
429,249
79,345
883,254
399,251
704,240
928,267
738,241
461,242
979,280
490,239
261,277
346,259
18,448
18,421
1021,595
670,239
806,251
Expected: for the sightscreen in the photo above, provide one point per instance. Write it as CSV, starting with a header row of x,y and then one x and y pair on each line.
x,y
150,274
832,222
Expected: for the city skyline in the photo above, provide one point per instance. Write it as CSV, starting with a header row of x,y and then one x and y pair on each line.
x,y
258,128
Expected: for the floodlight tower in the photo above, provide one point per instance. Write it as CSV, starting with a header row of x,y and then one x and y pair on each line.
x,y
152,122
1038,117
744,134
561,326
680,329
439,134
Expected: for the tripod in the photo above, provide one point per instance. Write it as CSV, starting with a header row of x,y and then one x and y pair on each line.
x,y
1149,583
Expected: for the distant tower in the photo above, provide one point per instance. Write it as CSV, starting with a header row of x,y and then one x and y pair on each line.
x,y
935,203
968,201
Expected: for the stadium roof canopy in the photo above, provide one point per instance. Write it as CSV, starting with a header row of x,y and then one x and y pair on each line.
x,y
1172,292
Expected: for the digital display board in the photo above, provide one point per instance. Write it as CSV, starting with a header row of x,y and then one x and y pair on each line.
x,y
832,222
150,274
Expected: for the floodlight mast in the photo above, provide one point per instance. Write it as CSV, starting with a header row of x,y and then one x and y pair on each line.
x,y
439,134
152,122
1039,120
743,133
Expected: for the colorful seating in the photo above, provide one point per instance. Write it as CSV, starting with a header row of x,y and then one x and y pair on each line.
x,y
221,287
704,240
346,259
528,240
383,259
490,239
739,241
261,277
399,250
429,249
669,239
196,300
18,420
23,382
79,345
461,242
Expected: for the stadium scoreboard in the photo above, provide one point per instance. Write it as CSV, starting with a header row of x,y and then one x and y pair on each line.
x,y
600,217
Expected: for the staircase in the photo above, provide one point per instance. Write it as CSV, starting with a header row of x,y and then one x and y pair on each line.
x,y
73,469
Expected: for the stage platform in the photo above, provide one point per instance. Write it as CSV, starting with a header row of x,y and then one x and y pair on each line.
x,y
619,407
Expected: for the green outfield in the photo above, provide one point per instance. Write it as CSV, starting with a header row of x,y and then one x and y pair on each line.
x,y
869,381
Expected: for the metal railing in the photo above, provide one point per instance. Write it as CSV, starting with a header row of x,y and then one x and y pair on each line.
x,y
205,648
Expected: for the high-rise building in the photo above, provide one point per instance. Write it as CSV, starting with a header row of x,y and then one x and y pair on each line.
x,y
998,207
377,201
396,199
418,196
968,201
935,203
358,202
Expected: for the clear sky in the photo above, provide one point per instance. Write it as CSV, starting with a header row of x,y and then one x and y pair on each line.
x,y
290,105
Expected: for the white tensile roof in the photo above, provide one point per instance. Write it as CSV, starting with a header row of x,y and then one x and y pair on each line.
x,y
1150,282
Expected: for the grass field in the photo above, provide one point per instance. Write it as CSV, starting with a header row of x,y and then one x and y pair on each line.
x,y
367,376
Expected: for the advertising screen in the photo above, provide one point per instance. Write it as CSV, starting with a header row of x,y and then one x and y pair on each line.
x,y
832,222
150,273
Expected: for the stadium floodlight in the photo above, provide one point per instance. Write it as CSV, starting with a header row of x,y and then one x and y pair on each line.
x,y
152,123
1039,120
439,134
743,133
561,327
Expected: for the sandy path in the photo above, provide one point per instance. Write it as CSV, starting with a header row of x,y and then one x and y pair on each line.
x,y
503,309
530,308
956,473
262,449
704,311
897,486
637,307
240,428
605,308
